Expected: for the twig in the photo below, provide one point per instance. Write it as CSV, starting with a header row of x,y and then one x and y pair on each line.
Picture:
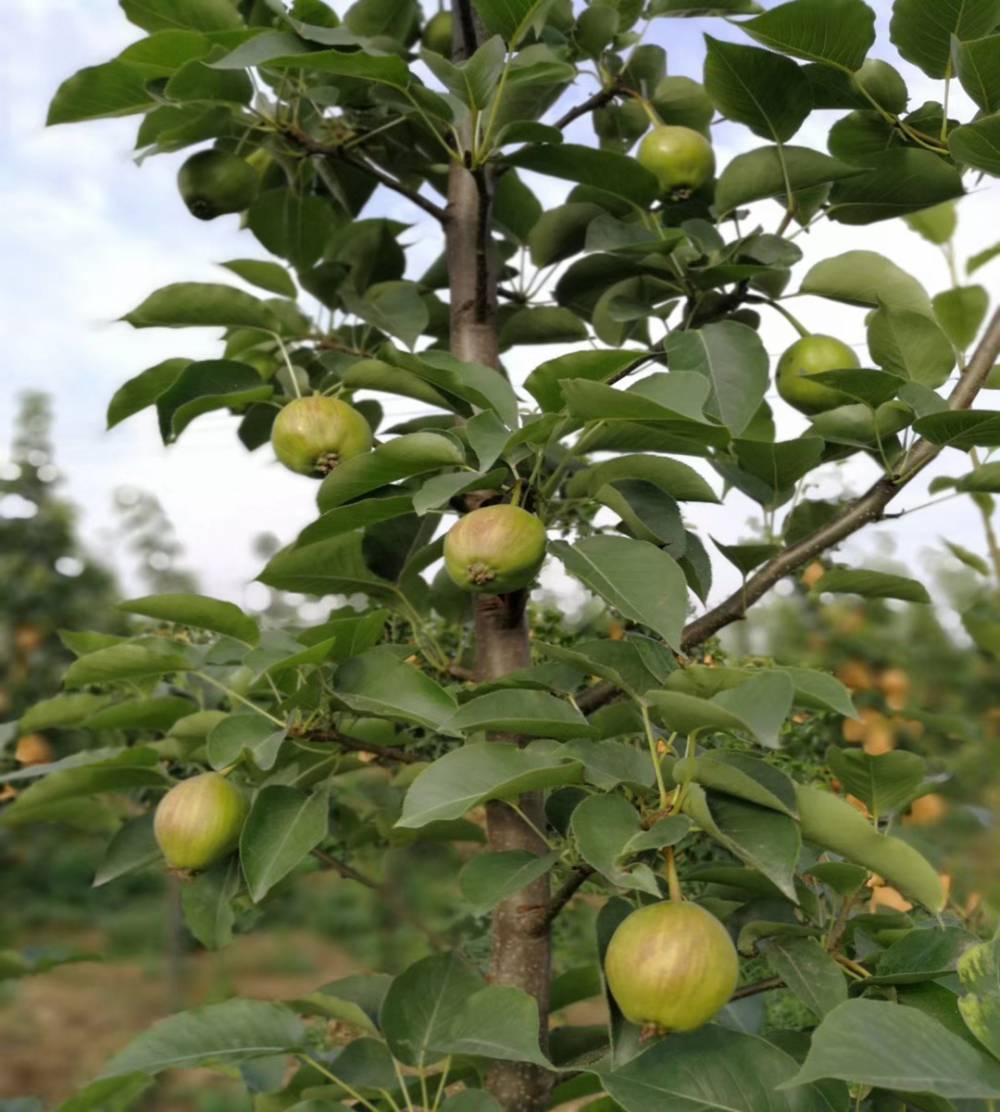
x,y
580,875
598,100
348,872
336,153
757,987
356,745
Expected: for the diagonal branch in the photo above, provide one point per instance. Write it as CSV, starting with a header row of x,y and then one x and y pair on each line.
x,y
576,880
338,154
598,100
869,507
357,745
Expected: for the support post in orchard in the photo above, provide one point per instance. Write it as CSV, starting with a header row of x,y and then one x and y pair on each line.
x,y
698,809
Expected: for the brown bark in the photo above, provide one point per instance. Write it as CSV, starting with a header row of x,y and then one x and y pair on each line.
x,y
521,956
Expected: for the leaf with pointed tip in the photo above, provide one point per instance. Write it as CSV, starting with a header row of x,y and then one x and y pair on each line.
x,y
870,584
283,826
517,711
197,611
490,878
837,32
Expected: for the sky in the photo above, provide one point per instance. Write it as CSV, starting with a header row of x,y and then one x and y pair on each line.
x,y
88,234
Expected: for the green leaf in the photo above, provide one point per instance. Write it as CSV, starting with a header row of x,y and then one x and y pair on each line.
x,y
202,305
207,904
489,878
884,783
978,144
379,683
761,173
355,515
473,382
240,734
606,170
685,713
114,88
764,91
380,68
196,15
922,29
61,710
130,660
599,366
778,466
157,713
334,566
960,312
746,557
961,429
733,359
542,325
511,18
517,711
820,691
808,970
747,778
979,971
866,278
977,66
497,1022
133,847
671,476
205,386
144,389
415,453
266,275
283,826
877,1043
604,826
439,490
981,258
420,1007
837,32
396,308
197,611
922,954
635,577
985,479
221,1034
894,183
870,584
466,777
937,225
910,344
712,1068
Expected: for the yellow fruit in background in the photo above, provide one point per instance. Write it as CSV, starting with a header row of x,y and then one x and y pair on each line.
x,y
312,435
198,821
33,749
671,964
811,356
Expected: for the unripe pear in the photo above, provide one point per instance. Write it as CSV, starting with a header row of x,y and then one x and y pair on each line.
x,y
198,821
811,356
438,33
495,550
312,435
671,964
681,158
214,182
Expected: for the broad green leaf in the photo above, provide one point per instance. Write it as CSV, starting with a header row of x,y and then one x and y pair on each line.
x,y
764,91
419,1009
379,68
61,710
205,386
221,1034
472,382
870,584
961,429
114,1094
355,1000
911,345
923,953
466,777
157,713
132,848
439,490
977,66
130,660
604,826
379,683
266,275
884,783
981,258
820,691
672,477
733,359
985,479
542,325
239,734
965,556
763,702
866,278
415,453
837,32
894,183
283,826
198,611
197,15
511,18
745,777
635,577
207,903
778,466
561,233
635,664
490,878
202,304
877,1043
605,170
684,713
497,1022
396,308
762,173
808,970
922,29
334,566
746,557
144,389
978,144
114,88
960,312
516,711
937,225
979,971
712,1068
471,1100
355,515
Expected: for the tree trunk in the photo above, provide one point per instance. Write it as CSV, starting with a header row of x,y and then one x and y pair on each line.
x,y
521,957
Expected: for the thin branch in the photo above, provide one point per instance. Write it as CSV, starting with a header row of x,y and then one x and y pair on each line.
x,y
337,154
757,987
863,511
598,100
580,875
348,872
356,745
